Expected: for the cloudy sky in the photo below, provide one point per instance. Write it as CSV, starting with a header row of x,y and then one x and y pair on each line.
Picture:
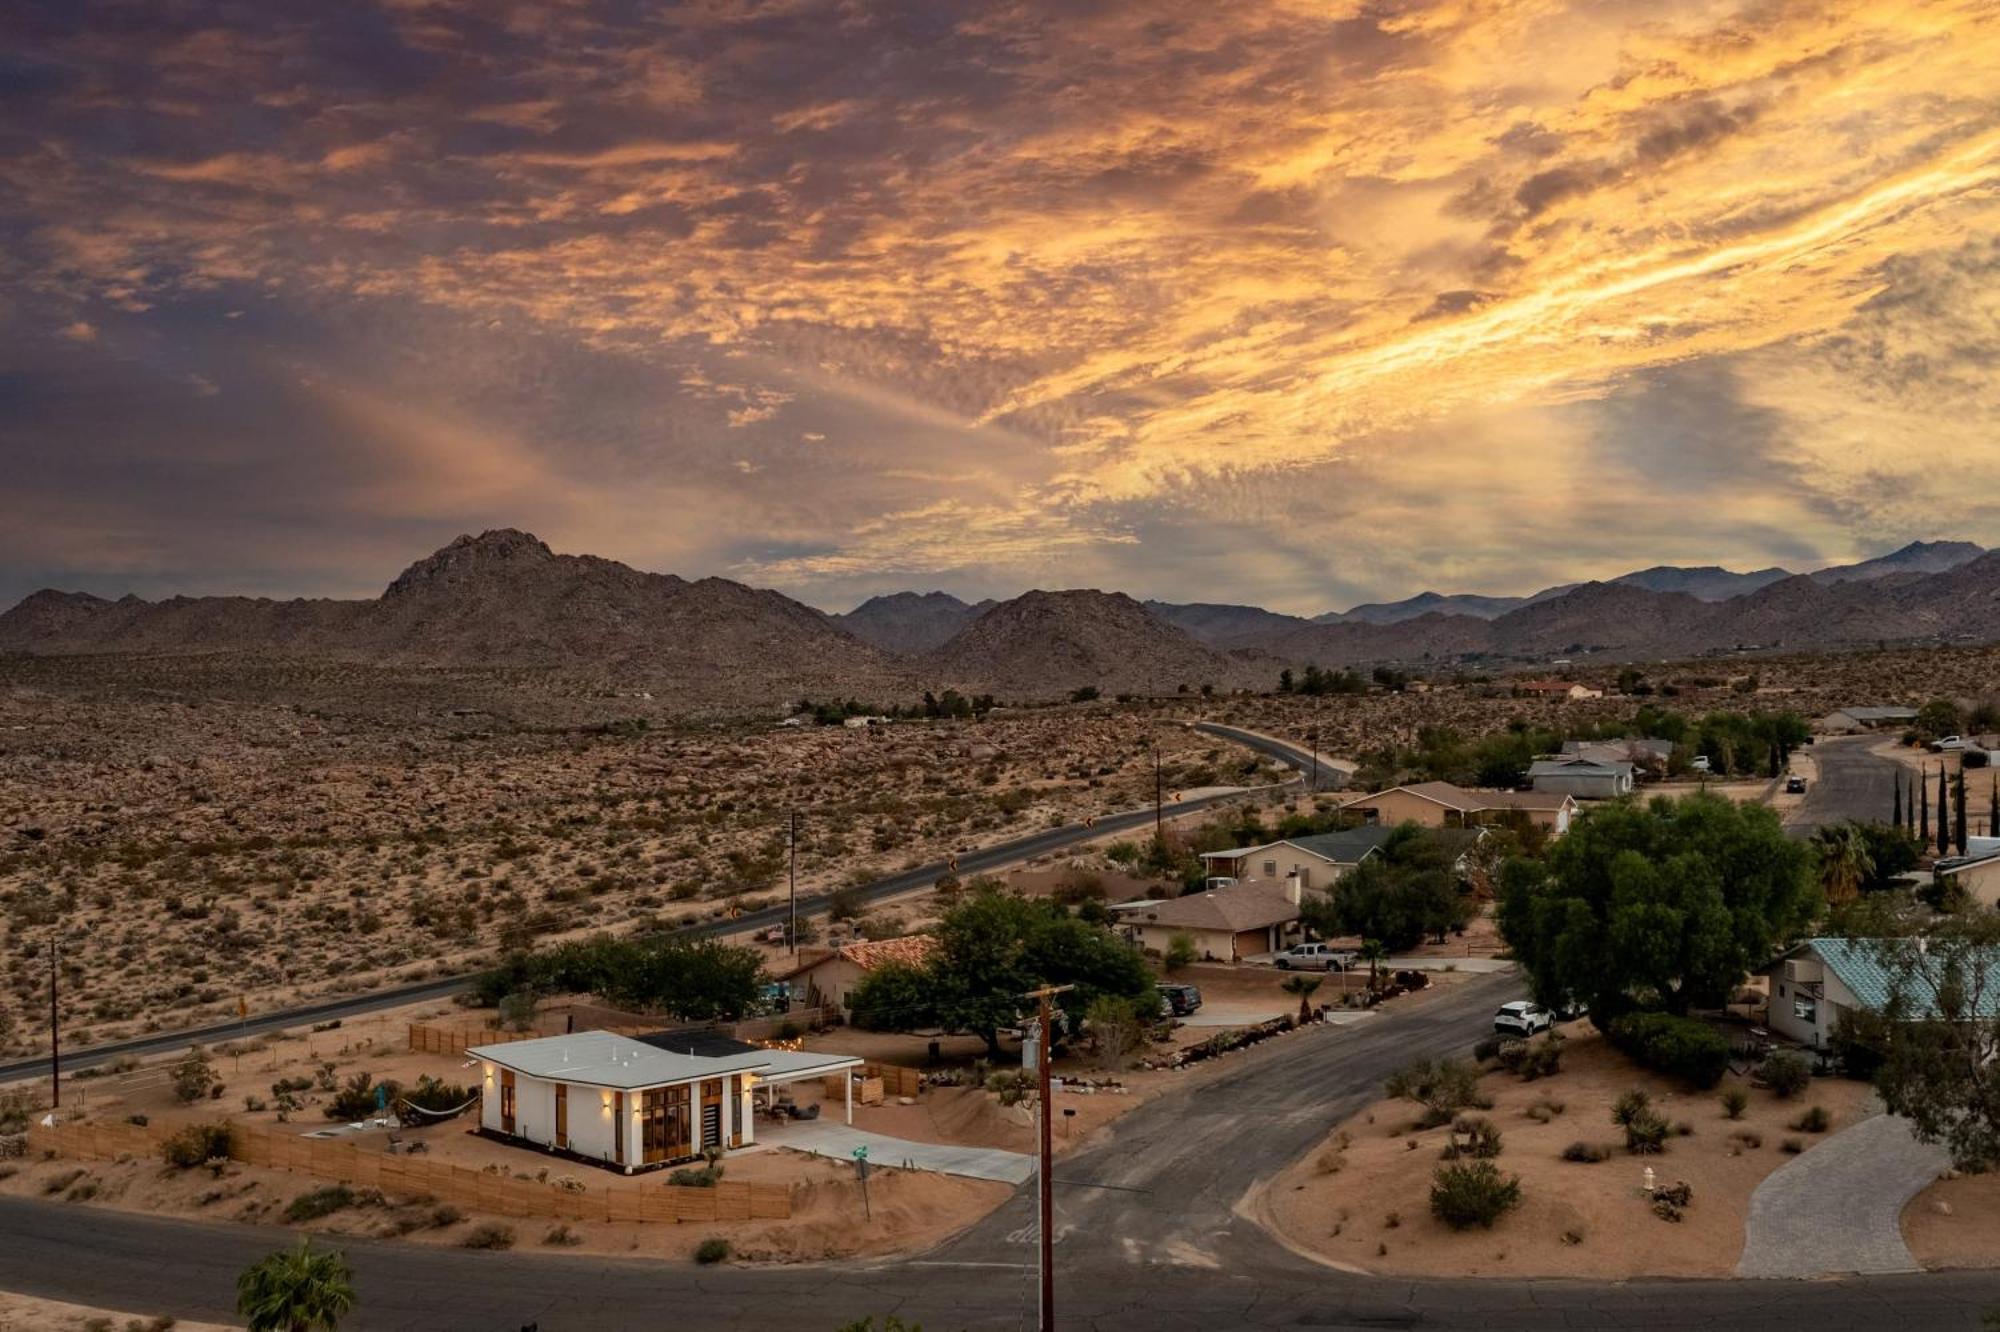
x,y
1299,303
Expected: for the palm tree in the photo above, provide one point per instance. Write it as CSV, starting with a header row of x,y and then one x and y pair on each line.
x,y
1374,953
296,1290
1844,862
1303,987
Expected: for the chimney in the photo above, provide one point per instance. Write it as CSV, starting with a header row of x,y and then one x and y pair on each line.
x,y
1294,891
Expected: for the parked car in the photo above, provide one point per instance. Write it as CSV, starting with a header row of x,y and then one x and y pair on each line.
x,y
1522,1018
1795,785
1949,742
1315,957
1178,999
1699,763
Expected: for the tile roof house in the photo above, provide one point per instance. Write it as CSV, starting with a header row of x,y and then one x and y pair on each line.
x,y
826,977
1867,719
1819,979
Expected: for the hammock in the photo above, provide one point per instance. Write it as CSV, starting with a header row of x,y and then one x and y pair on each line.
x,y
404,1102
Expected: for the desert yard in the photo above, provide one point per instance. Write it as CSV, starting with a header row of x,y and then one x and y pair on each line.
x,y
1361,1200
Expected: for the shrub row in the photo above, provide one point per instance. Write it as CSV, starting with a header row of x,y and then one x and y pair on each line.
x,y
1681,1047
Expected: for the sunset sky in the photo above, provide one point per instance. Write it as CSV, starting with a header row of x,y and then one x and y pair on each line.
x,y
1289,303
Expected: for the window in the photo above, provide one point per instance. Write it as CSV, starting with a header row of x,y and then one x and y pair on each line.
x,y
1806,1010
1270,869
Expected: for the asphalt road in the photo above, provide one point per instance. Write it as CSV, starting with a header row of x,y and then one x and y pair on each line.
x,y
972,862
1852,784
1148,1237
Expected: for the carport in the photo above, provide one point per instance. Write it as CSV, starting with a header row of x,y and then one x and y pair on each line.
x,y
788,1066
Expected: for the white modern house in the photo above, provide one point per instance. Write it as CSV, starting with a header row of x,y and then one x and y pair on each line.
x,y
631,1105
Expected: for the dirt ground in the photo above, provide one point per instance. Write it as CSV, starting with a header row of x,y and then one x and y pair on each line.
x,y
25,1313
1367,1207
1955,1223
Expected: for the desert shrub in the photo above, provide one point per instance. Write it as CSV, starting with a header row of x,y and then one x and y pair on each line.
x,y
1814,1120
1748,1139
1734,1102
1586,1153
1680,1193
1646,1134
194,1077
57,1183
444,1214
1180,951
1792,1146
1473,1193
1530,1060
1785,1073
1489,1049
1475,1136
357,1098
1630,1106
1680,1047
1442,1086
197,1144
489,1235
1011,1086
138,1121
319,1202
711,1250
1544,1110
562,1237
690,1177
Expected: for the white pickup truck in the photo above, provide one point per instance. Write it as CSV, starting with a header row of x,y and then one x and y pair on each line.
x,y
1315,957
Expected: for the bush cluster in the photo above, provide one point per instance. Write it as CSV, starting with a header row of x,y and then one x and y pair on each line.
x,y
1785,1073
1681,1047
1645,1129
1473,1193
1530,1060
197,1144
1475,1136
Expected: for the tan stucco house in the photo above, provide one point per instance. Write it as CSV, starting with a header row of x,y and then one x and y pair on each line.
x,y
1442,805
827,976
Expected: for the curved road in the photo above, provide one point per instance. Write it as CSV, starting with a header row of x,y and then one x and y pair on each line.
x,y
1149,1238
972,862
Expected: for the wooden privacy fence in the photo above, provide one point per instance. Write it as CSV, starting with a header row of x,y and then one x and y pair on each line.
x,y
474,1190
446,1041
897,1080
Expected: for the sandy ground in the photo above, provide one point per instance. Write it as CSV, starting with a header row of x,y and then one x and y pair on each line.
x,y
25,1313
1955,1223
1367,1208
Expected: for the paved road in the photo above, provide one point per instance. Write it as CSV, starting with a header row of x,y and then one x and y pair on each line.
x,y
1852,784
1162,1251
972,862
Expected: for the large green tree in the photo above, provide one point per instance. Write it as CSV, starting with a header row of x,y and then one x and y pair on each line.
x,y
700,980
993,948
1666,904
1408,889
1938,1042
302,1289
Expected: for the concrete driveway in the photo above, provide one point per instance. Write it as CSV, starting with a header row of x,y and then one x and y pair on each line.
x,y
825,1138
1838,1208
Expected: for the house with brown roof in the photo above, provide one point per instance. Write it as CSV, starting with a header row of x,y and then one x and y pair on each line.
x,y
1443,805
1226,924
826,976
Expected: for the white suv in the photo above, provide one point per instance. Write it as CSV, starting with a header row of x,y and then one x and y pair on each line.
x,y
1522,1018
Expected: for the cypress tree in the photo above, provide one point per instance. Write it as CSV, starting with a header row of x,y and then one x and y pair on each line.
x,y
1958,811
1896,818
1923,811
1993,809
1944,823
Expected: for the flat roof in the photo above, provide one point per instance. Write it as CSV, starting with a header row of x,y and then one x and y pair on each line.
x,y
604,1059
797,1065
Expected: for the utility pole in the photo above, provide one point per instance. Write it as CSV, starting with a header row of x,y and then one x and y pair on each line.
x,y
1159,821
793,845
55,1035
1044,1185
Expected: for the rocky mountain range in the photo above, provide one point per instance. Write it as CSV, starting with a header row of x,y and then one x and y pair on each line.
x,y
505,599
